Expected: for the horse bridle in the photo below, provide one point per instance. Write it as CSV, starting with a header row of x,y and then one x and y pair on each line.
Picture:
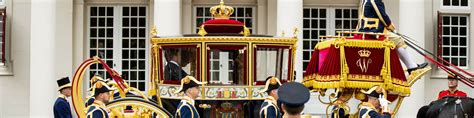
x,y
458,102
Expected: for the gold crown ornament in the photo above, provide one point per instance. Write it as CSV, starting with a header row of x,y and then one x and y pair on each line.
x,y
221,11
364,53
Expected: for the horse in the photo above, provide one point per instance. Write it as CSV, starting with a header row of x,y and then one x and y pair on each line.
x,y
448,107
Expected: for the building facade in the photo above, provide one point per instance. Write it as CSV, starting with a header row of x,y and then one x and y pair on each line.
x,y
48,39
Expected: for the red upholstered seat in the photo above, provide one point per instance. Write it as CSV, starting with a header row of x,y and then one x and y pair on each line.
x,y
223,26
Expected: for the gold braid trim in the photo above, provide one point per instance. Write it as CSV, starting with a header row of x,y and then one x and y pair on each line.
x,y
399,86
354,43
324,44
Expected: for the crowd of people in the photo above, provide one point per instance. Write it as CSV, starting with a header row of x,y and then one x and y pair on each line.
x,y
283,101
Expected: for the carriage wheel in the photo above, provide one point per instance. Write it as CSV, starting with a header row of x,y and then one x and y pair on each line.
x,y
134,107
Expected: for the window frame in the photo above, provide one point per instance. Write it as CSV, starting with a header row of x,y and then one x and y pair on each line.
x,y
450,10
289,63
221,46
118,40
254,15
468,7
6,64
440,36
330,25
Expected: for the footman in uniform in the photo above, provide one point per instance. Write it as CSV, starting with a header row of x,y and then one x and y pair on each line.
x,y
102,96
190,88
61,106
375,101
269,108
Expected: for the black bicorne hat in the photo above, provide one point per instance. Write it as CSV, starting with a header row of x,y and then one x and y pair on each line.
x,y
189,82
293,94
63,83
101,87
271,83
375,91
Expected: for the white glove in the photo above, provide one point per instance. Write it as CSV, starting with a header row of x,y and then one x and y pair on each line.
x,y
384,103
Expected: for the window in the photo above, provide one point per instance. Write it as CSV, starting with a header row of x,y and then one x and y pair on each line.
x,y
2,35
271,60
227,64
118,35
179,61
456,3
454,46
346,20
242,14
325,21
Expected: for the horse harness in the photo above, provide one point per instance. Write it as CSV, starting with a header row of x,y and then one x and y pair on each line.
x,y
457,102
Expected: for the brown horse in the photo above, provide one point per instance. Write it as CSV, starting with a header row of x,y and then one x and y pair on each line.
x,y
448,107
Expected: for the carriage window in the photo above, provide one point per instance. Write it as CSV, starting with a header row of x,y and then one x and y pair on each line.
x,y
271,62
227,65
178,62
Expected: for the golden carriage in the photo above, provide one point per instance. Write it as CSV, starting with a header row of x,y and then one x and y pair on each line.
x,y
224,54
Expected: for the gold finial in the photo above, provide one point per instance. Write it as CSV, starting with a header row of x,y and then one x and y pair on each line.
x,y
221,11
202,31
153,31
246,31
295,32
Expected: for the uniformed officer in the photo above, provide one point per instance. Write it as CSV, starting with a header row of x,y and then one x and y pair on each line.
x,y
61,106
373,18
376,100
269,108
91,98
190,88
452,91
340,109
292,96
102,96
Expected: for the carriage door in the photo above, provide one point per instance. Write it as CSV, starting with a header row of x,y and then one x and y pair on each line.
x,y
118,35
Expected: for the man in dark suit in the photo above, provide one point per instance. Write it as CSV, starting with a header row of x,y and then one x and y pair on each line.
x,y
61,106
173,70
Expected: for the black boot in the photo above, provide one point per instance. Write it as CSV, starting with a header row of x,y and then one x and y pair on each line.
x,y
420,66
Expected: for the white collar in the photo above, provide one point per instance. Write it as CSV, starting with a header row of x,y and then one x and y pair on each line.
x,y
271,100
174,62
188,100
